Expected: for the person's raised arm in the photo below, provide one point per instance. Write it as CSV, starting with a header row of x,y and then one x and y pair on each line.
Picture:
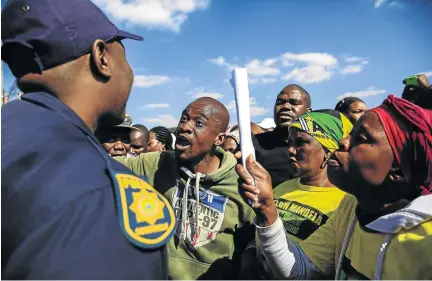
x,y
286,260
135,164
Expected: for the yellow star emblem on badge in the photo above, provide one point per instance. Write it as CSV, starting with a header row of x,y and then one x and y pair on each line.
x,y
147,207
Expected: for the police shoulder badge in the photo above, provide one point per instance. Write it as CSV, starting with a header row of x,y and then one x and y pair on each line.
x,y
146,217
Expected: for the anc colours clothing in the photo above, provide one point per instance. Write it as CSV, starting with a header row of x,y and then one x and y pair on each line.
x,y
403,251
212,230
327,126
303,209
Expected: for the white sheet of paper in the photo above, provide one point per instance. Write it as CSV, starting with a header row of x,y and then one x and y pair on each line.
x,y
239,82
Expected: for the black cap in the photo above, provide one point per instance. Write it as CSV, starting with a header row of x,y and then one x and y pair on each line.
x,y
41,34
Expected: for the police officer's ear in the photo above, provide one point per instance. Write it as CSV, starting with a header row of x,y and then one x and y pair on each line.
x,y
99,59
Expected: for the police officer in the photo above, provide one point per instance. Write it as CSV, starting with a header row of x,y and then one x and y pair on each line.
x,y
68,210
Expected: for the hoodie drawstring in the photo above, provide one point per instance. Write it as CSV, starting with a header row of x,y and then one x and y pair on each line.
x,y
197,194
380,261
185,204
198,176
379,266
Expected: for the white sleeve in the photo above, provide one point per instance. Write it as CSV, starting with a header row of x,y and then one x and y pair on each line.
x,y
286,259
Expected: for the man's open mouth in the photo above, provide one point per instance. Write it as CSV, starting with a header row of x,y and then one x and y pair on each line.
x,y
182,142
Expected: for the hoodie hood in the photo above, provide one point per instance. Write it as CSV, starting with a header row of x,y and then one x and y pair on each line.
x,y
415,213
412,215
224,172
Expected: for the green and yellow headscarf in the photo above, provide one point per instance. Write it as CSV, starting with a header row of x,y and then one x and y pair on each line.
x,y
327,126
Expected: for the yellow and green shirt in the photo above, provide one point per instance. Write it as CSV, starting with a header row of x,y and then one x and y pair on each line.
x,y
303,208
407,254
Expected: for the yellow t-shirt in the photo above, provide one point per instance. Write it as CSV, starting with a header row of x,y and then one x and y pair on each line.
x,y
408,254
303,209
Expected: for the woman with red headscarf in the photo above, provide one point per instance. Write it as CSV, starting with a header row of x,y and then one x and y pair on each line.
x,y
383,231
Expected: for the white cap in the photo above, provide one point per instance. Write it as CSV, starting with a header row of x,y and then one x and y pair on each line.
x,y
235,135
267,123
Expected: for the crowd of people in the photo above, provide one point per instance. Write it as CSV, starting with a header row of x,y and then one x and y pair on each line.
x,y
339,193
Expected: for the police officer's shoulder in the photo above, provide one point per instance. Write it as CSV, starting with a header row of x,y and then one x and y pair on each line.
x,y
146,216
60,192
55,153
67,166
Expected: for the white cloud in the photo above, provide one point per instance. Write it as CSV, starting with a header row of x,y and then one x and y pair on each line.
x,y
392,4
428,74
309,58
356,66
305,68
259,71
257,111
252,101
352,68
161,14
309,74
254,110
201,92
196,90
354,59
156,105
206,94
396,5
319,67
221,61
370,91
379,3
268,80
231,105
218,61
146,81
166,120
262,80
262,68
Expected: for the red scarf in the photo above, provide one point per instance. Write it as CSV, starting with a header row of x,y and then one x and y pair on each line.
x,y
412,145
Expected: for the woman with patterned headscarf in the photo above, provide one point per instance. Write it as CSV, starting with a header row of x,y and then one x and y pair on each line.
x,y
306,202
383,230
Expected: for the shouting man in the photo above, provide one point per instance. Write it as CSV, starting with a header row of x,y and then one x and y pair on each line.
x,y
200,181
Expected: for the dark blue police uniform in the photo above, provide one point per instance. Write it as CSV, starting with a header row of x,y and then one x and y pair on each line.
x,y
62,210
69,211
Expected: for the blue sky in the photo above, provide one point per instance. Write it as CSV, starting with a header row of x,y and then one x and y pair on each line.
x,y
332,48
